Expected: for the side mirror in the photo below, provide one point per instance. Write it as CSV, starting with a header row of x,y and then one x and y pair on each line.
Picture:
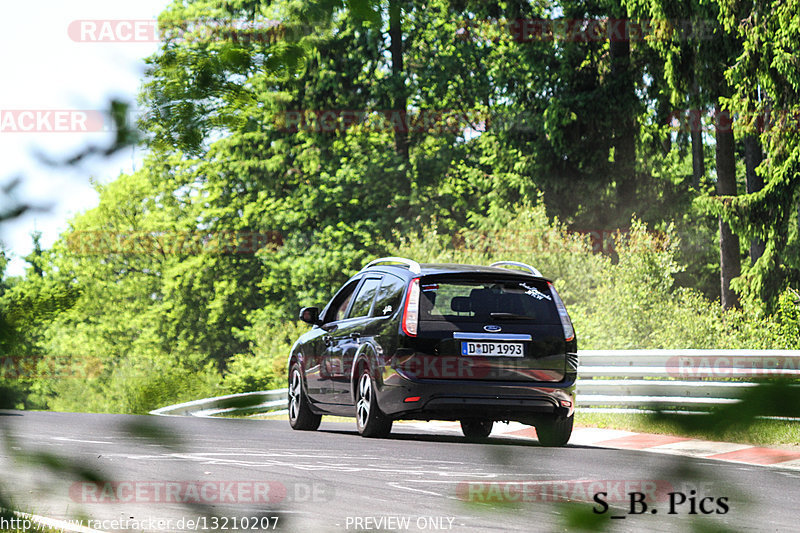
x,y
310,315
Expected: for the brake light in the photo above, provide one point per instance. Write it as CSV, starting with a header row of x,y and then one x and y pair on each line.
x,y
566,323
411,310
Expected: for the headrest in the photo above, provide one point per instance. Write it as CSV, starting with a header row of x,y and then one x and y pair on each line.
x,y
461,304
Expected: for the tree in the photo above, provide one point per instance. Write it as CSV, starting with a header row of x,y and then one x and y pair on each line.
x,y
770,32
729,253
695,72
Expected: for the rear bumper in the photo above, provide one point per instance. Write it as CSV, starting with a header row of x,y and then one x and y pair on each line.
x,y
462,399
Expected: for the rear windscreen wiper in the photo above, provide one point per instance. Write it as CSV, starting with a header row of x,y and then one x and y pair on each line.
x,y
510,316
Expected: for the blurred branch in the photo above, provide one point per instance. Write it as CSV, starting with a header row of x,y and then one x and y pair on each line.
x,y
126,136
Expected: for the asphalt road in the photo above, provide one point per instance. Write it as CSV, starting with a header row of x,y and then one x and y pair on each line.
x,y
254,474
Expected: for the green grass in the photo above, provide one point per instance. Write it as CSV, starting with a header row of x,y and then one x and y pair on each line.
x,y
761,432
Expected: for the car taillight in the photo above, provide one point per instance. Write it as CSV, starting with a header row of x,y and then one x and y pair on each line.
x,y
411,310
566,323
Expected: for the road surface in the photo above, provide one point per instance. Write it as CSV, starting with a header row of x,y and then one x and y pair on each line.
x,y
130,473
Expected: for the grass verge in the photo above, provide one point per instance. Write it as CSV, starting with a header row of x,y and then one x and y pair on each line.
x,y
762,432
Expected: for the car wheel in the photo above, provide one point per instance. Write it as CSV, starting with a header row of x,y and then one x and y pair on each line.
x,y
555,431
370,420
300,415
477,429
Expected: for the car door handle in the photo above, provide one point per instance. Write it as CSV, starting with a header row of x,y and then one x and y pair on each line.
x,y
327,340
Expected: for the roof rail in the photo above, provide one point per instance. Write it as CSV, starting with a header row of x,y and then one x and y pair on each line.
x,y
529,268
413,266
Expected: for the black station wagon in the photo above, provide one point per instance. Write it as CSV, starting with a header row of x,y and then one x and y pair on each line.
x,y
402,340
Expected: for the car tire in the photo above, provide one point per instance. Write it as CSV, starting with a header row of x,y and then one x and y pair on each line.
x,y
370,420
300,415
476,429
555,431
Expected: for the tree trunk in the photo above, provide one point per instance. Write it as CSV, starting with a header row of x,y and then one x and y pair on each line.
x,y
625,134
730,262
399,90
752,158
698,155
696,131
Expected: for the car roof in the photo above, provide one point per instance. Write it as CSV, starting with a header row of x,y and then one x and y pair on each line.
x,y
430,269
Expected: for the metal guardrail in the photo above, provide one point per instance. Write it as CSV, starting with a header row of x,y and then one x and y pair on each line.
x,y
242,404
618,380
678,379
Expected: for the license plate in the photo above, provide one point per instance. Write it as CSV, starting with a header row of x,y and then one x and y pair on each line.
x,y
497,349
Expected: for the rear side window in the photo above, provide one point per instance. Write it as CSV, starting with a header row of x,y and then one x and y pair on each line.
x,y
481,301
366,295
389,295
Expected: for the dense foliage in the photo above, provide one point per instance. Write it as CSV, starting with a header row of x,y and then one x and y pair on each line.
x,y
290,142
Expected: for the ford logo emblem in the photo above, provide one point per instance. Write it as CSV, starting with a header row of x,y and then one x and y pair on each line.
x,y
493,329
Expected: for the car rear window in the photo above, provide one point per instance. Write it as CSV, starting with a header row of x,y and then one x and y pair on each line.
x,y
473,301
